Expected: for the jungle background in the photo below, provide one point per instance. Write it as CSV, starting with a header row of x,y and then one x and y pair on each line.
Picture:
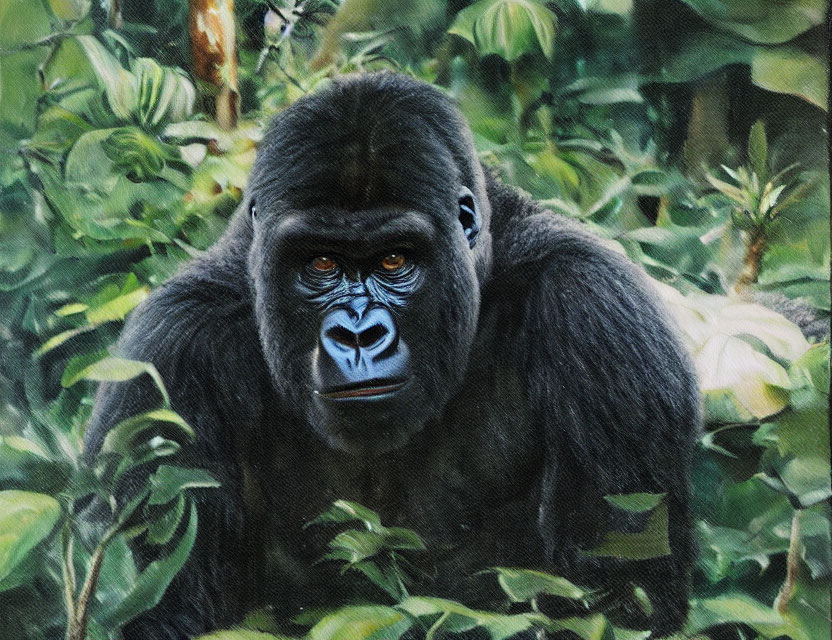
x,y
692,134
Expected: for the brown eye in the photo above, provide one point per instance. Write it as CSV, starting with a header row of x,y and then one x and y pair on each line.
x,y
322,263
393,261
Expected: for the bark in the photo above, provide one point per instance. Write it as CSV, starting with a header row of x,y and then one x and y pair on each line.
x,y
214,52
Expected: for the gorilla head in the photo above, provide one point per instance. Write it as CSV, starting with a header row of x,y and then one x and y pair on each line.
x,y
370,243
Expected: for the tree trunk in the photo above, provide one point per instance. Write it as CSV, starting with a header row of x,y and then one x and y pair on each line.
x,y
214,51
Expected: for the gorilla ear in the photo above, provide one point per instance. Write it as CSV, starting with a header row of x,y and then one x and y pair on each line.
x,y
469,215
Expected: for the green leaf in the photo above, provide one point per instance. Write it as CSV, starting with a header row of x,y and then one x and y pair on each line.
x,y
636,502
361,623
652,542
118,370
738,608
793,71
162,530
70,10
758,151
153,581
457,618
130,432
59,339
762,22
117,308
508,28
359,545
345,511
119,84
739,383
26,519
168,482
402,539
523,585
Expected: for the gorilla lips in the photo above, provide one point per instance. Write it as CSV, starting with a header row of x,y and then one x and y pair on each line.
x,y
364,389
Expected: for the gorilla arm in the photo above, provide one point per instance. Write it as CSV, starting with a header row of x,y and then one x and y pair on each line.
x,y
197,331
615,395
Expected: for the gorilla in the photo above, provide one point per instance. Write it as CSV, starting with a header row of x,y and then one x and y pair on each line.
x,y
385,322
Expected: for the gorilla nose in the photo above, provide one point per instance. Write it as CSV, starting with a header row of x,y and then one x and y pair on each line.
x,y
357,349
365,339
373,333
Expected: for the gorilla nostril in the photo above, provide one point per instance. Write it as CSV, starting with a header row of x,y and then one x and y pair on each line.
x,y
371,335
343,336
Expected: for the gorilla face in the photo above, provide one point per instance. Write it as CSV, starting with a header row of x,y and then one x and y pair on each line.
x,y
366,316
369,241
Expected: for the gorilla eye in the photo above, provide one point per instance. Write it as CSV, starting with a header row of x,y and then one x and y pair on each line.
x,y
323,264
393,262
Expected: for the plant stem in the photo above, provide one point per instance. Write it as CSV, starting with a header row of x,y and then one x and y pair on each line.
x,y
77,624
792,565
755,249
68,569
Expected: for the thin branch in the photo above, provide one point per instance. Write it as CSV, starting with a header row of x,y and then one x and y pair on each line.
x,y
68,569
792,566
77,627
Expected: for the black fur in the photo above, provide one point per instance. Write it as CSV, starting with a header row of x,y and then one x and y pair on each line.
x,y
545,372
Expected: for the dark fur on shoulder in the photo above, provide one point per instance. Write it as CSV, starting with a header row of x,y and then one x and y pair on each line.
x,y
386,322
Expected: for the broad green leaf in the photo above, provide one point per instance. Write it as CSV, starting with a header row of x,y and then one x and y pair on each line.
x,y
168,482
361,623
523,585
26,519
119,370
762,22
700,54
162,530
154,580
509,28
793,71
739,383
70,10
132,431
117,308
457,618
79,363
635,502
119,84
805,480
739,608
652,542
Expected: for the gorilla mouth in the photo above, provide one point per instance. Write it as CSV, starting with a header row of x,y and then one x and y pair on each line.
x,y
364,389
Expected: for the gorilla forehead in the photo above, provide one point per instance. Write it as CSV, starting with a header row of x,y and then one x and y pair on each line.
x,y
360,234
367,141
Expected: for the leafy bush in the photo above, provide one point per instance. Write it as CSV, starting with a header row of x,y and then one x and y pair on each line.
x,y
690,134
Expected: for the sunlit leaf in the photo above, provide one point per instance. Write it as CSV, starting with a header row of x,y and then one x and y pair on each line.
x,y
523,585
26,519
361,623
509,28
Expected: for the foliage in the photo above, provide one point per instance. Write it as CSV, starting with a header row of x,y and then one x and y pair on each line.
x,y
689,133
